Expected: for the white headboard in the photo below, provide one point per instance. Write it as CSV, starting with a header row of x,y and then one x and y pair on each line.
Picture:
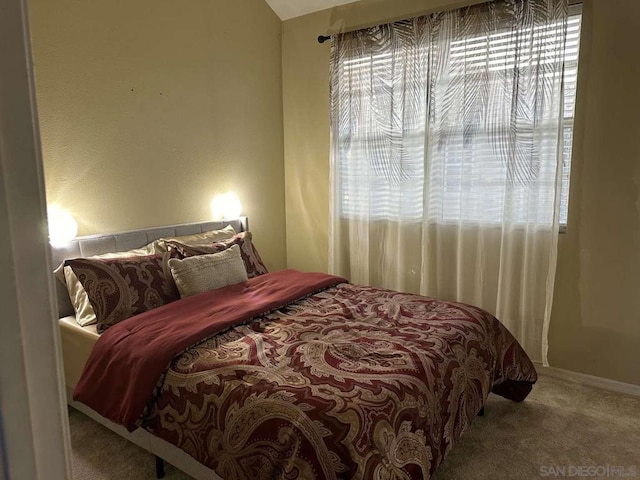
x,y
119,242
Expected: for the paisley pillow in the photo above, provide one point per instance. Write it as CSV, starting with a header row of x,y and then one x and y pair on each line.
x,y
79,300
253,264
119,288
160,245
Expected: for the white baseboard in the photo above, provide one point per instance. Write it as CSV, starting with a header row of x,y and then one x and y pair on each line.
x,y
590,380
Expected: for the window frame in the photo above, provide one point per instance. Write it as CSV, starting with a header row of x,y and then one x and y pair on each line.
x,y
568,120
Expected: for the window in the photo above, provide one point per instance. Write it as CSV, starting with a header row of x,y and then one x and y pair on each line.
x,y
570,83
381,181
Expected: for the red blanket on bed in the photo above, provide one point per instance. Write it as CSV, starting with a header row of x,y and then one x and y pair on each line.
x,y
128,360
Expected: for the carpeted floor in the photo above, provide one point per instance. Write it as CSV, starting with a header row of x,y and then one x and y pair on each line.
x,y
560,426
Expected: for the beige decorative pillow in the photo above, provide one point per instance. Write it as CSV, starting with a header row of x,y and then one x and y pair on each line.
x,y
159,246
250,256
202,273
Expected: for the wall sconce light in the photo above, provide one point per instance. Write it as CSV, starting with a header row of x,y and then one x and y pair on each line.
x,y
226,206
62,226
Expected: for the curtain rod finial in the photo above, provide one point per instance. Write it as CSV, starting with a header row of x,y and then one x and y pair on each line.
x,y
323,38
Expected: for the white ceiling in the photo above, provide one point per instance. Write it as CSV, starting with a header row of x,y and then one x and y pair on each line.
x,y
287,9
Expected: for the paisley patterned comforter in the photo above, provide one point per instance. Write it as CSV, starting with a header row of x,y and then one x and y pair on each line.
x,y
350,383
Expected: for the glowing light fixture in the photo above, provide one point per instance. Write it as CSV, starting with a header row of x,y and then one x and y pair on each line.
x,y
62,226
226,206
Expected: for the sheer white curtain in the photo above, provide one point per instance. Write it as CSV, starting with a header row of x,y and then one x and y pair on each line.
x,y
447,141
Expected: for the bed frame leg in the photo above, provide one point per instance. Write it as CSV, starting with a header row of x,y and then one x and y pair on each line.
x,y
159,467
481,412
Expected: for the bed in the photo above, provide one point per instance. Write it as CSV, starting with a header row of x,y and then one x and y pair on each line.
x,y
290,374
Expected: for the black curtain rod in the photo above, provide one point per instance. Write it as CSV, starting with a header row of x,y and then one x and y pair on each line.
x,y
323,38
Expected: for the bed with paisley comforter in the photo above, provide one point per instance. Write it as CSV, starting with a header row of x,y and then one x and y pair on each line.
x,y
293,375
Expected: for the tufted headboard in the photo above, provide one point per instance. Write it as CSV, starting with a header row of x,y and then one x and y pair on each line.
x,y
119,242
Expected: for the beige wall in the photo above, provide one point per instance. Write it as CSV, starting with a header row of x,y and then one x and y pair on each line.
x,y
596,315
149,108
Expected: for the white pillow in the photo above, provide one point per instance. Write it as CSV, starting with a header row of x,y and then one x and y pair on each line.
x,y
202,273
160,245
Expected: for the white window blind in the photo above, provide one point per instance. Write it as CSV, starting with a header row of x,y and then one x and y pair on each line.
x,y
382,171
